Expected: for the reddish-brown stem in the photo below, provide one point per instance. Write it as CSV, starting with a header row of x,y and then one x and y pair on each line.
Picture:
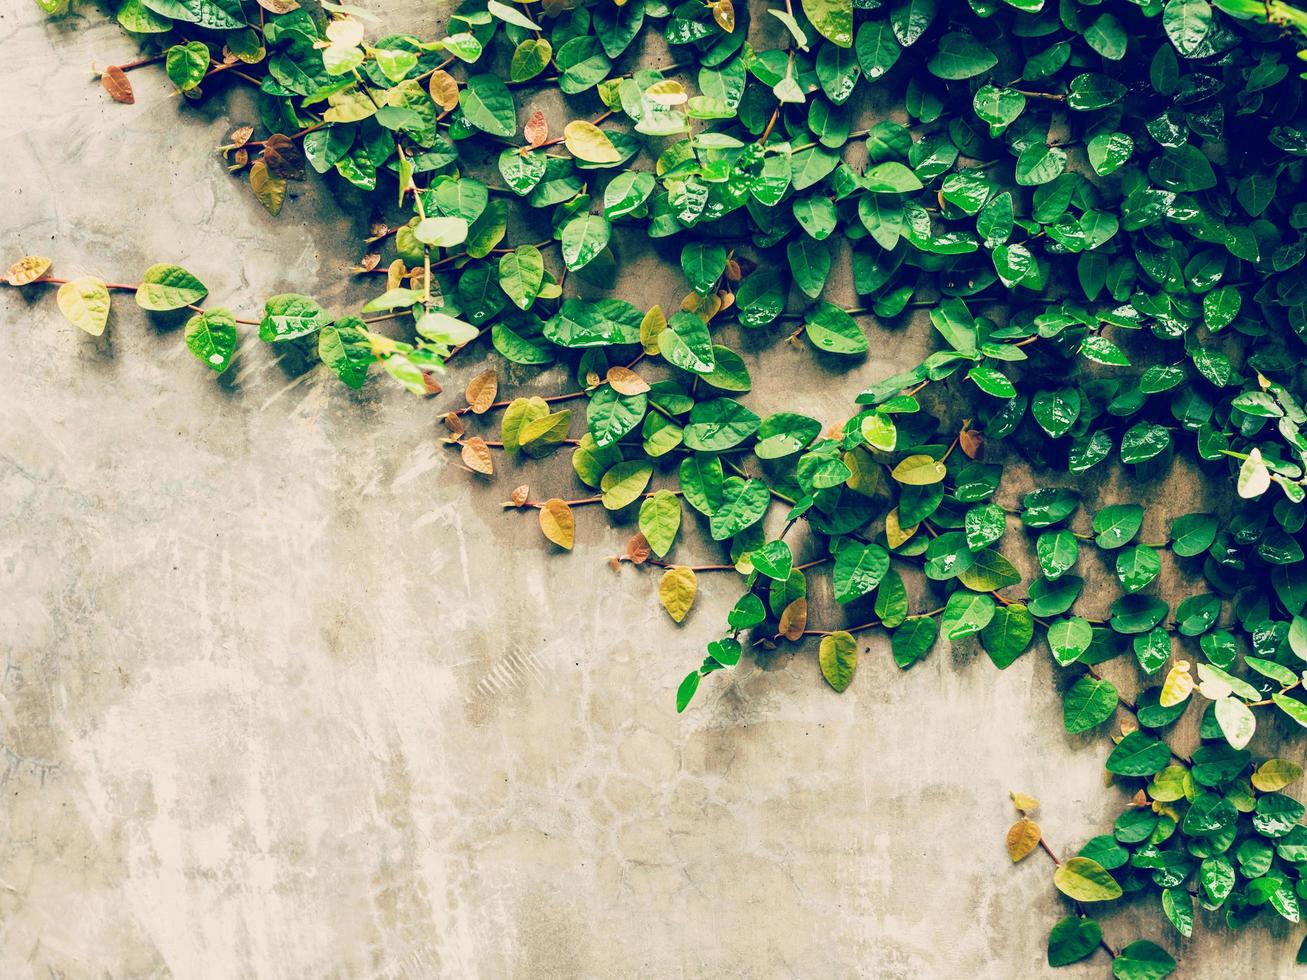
x,y
51,280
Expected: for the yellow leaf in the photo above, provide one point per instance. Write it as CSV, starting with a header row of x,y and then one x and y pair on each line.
x,y
1022,838
1026,804
26,270
85,302
896,534
668,92
838,658
558,523
676,591
476,456
794,620
723,12
587,142
269,190
481,391
919,471
864,475
704,307
654,323
444,89
1178,686
624,381
1275,774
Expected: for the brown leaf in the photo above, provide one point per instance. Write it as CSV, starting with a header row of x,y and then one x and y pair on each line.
x,y
637,549
519,495
624,381
614,562
270,190
558,523
476,456
429,383
1022,838
239,159
794,619
368,262
723,11
536,130
378,231
26,270
240,136
444,89
727,297
279,6
733,271
971,443
283,157
481,391
116,84
454,423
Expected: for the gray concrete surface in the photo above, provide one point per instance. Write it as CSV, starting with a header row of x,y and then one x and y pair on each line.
x,y
285,694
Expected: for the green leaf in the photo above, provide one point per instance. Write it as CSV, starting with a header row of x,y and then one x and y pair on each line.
x,y
1008,634
169,287
584,237
211,336
703,265
877,48
744,502
521,274
834,19
1089,703
959,56
488,105
719,424
1069,638
685,692
1039,163
1143,960
344,347
1072,939
838,657
187,64
611,415
623,484
966,613
913,640
859,568
287,316
686,344
1138,755
1187,23
773,560
834,331
1117,524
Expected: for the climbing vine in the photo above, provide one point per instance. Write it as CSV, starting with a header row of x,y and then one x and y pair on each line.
x,y
1096,202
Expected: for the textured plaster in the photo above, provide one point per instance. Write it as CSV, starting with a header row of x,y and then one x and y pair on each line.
x,y
286,694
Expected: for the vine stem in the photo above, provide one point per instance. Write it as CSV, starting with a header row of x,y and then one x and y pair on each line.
x,y
1052,855
580,502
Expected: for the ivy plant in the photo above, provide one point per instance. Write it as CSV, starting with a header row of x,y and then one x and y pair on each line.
x,y
1095,206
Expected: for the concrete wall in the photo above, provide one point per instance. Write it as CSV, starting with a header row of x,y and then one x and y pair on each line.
x,y
285,694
